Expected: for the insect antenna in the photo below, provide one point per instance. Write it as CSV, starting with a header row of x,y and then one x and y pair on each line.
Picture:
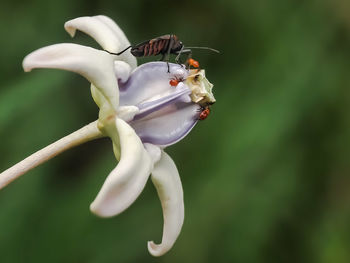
x,y
208,48
119,53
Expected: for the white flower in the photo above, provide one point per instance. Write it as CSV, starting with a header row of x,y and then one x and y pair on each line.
x,y
139,111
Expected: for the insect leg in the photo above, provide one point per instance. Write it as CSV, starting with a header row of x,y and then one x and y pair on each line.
x,y
162,58
171,43
189,55
178,55
165,57
186,51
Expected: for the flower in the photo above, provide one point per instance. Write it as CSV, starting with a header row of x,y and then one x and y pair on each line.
x,y
139,110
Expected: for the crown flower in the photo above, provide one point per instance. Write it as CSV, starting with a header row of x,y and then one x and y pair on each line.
x,y
138,110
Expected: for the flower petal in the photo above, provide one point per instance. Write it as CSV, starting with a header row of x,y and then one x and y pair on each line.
x,y
105,32
166,112
166,179
168,124
122,70
179,93
95,65
149,81
125,183
153,151
127,113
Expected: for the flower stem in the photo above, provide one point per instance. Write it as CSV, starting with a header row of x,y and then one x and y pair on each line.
x,y
84,134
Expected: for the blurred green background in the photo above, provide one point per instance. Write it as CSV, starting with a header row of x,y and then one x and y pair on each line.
x,y
265,177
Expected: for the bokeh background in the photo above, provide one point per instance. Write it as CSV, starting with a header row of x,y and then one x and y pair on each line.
x,y
265,177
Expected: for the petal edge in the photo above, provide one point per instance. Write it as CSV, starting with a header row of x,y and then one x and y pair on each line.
x,y
105,31
95,65
125,183
166,179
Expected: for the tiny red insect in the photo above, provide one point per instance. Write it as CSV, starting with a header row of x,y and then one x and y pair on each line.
x,y
193,63
205,111
174,82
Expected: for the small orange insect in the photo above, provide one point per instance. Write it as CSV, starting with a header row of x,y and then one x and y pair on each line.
x,y
205,111
174,82
193,63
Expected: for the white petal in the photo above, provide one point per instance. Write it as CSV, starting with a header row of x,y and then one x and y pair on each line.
x,y
105,32
127,113
125,183
99,99
154,152
115,28
166,179
122,70
95,65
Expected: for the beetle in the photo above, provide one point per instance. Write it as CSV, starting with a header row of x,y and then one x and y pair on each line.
x,y
175,81
204,113
193,63
163,45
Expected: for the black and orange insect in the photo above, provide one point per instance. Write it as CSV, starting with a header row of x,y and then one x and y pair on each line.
x,y
163,45
204,113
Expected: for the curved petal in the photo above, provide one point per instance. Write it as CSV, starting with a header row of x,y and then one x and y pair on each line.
x,y
168,124
97,96
154,152
125,183
166,112
114,27
95,65
122,70
178,94
166,179
122,73
105,32
149,81
127,113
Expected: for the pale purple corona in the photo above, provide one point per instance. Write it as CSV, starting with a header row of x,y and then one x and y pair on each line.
x,y
166,113
138,110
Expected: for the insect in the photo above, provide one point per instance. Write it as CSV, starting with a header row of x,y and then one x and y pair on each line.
x,y
193,63
204,113
175,81
163,45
